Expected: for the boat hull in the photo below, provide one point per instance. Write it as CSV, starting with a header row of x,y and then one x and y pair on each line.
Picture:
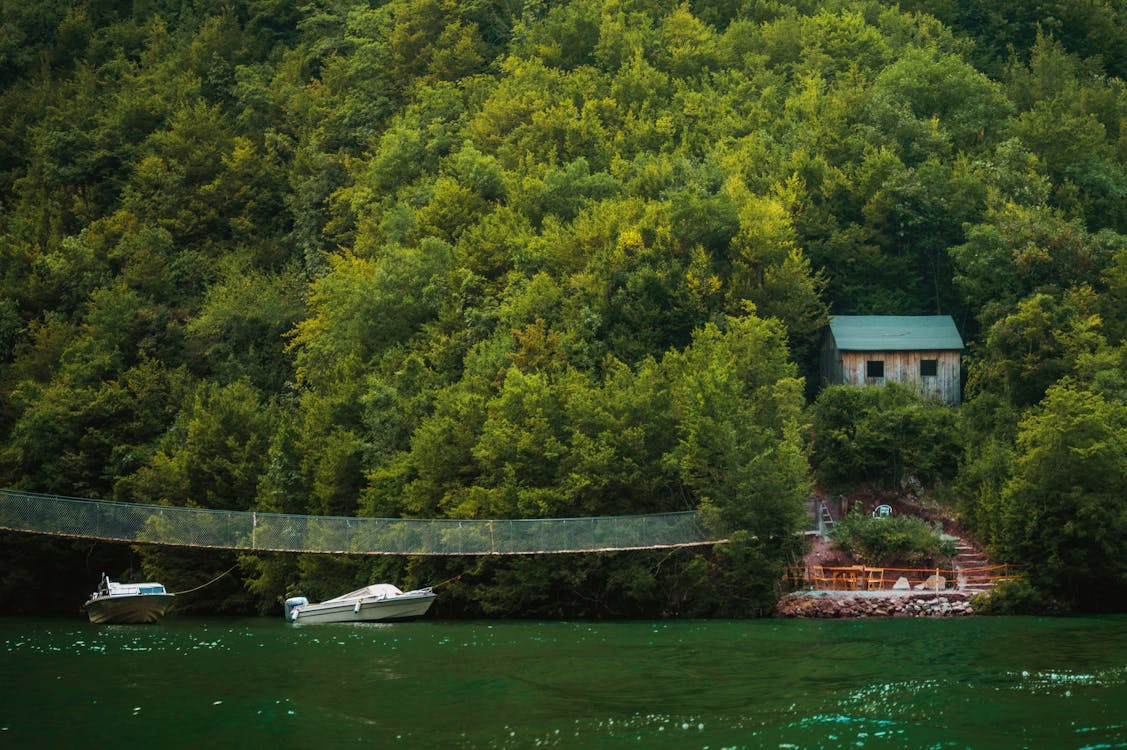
x,y
407,606
128,610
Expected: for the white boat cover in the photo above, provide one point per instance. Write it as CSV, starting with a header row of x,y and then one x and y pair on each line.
x,y
375,591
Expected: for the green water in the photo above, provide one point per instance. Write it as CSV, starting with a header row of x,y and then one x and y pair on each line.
x,y
191,683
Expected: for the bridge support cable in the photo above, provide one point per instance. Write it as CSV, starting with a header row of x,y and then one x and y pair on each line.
x,y
57,515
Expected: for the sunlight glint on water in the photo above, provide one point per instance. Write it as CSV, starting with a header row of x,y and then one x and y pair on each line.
x,y
980,683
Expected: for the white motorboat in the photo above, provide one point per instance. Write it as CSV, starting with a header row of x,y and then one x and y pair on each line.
x,y
127,603
380,602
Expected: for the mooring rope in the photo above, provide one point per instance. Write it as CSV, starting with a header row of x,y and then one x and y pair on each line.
x,y
443,583
213,580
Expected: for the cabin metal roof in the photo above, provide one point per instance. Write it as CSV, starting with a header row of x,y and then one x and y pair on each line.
x,y
894,332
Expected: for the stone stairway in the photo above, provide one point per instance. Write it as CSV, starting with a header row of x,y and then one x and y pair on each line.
x,y
968,560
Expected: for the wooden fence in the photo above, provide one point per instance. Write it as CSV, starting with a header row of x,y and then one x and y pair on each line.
x,y
869,578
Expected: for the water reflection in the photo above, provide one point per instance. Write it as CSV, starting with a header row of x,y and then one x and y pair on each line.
x,y
981,683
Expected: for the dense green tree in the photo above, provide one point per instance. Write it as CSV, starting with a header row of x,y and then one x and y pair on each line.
x,y
738,406
78,439
931,103
1021,251
459,258
1045,339
1001,31
212,456
363,305
880,435
1062,509
240,328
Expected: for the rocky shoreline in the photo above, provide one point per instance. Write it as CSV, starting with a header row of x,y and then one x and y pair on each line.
x,y
846,604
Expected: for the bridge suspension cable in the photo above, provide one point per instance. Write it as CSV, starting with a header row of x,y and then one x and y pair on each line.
x,y
276,532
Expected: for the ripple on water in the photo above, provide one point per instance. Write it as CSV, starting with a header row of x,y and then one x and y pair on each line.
x,y
577,685
1055,681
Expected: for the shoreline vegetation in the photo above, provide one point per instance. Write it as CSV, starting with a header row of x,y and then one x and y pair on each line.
x,y
442,259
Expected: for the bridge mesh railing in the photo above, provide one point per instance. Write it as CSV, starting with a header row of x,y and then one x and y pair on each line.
x,y
246,530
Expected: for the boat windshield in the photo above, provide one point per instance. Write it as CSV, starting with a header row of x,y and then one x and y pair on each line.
x,y
114,588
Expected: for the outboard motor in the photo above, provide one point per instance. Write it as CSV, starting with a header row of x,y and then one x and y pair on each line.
x,y
291,604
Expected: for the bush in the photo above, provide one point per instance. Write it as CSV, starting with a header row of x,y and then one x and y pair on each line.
x,y
895,539
1017,596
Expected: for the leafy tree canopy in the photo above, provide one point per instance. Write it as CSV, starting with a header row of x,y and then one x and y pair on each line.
x,y
458,258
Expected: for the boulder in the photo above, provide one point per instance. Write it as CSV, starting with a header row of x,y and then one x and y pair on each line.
x,y
932,583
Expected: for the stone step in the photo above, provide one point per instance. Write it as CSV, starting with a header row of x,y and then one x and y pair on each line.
x,y
968,557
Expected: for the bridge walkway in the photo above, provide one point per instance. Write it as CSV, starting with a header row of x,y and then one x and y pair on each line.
x,y
108,520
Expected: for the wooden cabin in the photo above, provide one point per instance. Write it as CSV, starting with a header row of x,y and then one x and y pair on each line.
x,y
921,350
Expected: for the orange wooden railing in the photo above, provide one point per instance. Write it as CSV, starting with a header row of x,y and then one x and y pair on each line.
x,y
870,578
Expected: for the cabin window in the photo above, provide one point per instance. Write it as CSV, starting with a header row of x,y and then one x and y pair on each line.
x,y
929,368
874,368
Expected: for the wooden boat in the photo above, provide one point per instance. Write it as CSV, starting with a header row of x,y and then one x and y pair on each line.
x,y
380,602
127,603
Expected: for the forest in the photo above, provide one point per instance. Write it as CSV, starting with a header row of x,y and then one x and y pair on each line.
x,y
520,259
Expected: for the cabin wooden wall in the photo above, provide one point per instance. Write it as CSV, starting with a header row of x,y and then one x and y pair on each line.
x,y
830,361
850,368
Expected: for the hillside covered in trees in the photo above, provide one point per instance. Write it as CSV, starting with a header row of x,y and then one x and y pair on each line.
x,y
463,258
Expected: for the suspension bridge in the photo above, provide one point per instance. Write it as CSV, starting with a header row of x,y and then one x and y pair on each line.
x,y
253,531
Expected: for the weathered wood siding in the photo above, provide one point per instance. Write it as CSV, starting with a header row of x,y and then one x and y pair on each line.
x,y
830,361
851,367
